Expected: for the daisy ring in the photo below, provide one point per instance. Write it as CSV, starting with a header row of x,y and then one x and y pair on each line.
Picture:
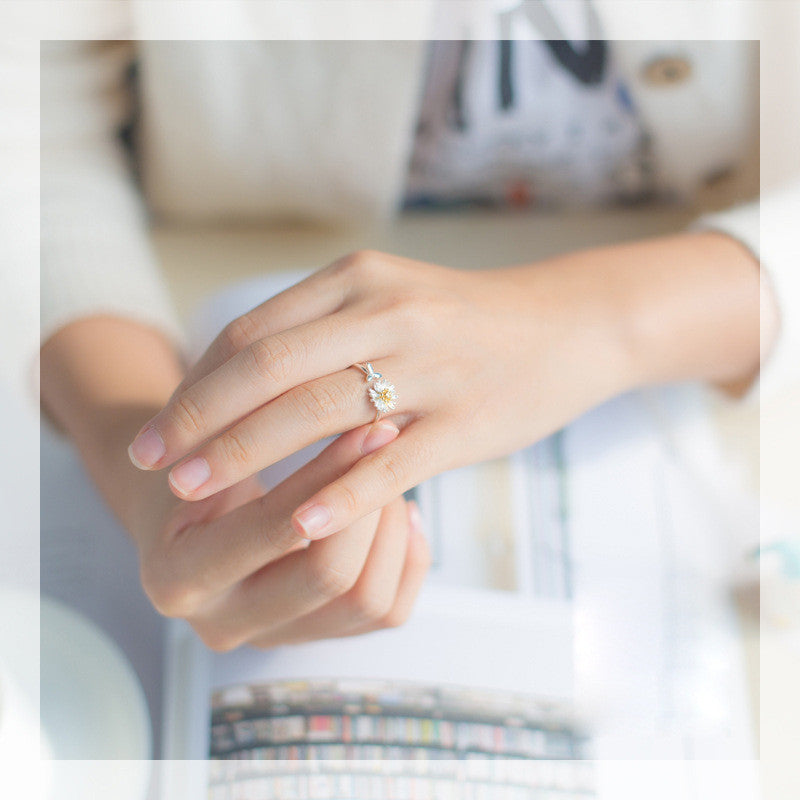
x,y
382,394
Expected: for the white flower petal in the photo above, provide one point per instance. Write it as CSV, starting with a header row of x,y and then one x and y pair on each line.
x,y
383,396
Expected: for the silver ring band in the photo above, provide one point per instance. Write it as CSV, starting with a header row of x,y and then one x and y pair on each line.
x,y
382,394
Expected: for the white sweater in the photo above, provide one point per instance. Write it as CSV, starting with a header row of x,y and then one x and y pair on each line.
x,y
324,129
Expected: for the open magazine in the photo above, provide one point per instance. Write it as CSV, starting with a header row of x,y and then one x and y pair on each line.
x,y
576,611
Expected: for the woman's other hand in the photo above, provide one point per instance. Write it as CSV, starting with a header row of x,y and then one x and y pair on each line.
x,y
235,568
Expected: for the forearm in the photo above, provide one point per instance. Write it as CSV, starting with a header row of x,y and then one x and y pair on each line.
x,y
683,307
101,378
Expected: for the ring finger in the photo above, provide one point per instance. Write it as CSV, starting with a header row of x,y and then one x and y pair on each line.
x,y
298,418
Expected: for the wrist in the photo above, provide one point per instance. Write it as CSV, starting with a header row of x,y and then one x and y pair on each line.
x,y
574,308
674,308
688,306
102,379
139,499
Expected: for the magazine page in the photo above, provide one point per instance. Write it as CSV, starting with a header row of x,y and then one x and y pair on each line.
x,y
655,537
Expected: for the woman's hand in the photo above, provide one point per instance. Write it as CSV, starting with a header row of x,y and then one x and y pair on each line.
x,y
484,363
232,565
239,573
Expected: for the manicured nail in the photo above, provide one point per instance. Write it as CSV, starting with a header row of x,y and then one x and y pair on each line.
x,y
191,475
380,434
147,449
312,520
414,517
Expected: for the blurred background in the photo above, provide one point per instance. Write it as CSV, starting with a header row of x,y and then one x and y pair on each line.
x,y
761,441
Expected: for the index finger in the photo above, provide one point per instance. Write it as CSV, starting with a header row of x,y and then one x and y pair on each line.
x,y
315,296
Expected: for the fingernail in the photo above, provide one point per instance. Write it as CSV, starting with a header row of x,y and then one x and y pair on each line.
x,y
312,520
191,475
380,434
147,449
414,517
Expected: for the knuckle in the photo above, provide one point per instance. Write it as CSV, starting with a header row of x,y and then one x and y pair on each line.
x,y
271,358
410,315
395,618
259,358
363,257
275,537
188,414
394,468
369,605
215,638
403,302
347,498
361,264
320,401
418,313
328,579
170,594
240,333
237,448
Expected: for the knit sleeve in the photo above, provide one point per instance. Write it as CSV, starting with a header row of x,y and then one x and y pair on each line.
x,y
769,229
96,257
